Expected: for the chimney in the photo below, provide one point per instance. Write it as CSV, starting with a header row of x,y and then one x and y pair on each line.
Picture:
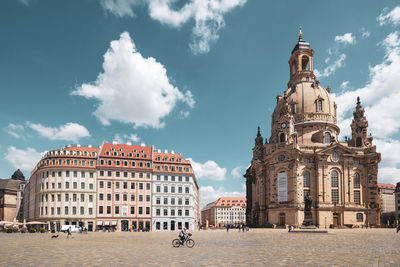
x,y
166,151
89,146
115,142
129,143
159,151
78,145
172,152
142,144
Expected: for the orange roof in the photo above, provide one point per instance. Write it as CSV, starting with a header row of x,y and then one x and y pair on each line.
x,y
160,157
231,201
126,149
387,186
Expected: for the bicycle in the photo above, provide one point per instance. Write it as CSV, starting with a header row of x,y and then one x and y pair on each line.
x,y
176,243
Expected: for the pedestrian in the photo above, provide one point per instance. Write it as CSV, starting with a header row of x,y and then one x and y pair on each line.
x,y
69,232
240,226
398,228
227,228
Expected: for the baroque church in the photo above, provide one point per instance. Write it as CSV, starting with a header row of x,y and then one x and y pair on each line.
x,y
303,156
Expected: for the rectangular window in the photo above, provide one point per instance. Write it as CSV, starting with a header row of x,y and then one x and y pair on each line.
x,y
186,201
180,189
74,197
158,201
158,212
66,197
165,177
101,184
147,186
82,198
59,197
187,190
132,175
179,201
59,185
357,198
165,189
117,174
91,186
108,197
132,185
140,197
83,174
335,196
165,212
172,212
90,198
108,209
140,186
158,177
125,174
125,185
82,185
187,179
132,197
109,173
75,185
116,197
179,212
91,175
66,173
66,210
180,178
140,210
147,198
165,201
58,210
101,196
82,210
172,189
116,209
186,212
73,210
140,175
101,173
125,197
109,185
147,210
158,189
172,201
132,210
90,211
53,185
75,174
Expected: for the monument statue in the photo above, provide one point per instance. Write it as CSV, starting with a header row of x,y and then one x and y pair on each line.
x,y
307,211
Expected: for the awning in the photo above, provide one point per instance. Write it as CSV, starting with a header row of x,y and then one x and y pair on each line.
x,y
99,222
114,222
106,223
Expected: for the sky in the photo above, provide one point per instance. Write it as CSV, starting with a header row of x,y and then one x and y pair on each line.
x,y
194,76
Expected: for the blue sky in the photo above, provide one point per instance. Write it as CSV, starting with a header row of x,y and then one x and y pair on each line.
x,y
187,76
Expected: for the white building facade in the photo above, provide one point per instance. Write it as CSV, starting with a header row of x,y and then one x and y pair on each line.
x,y
176,202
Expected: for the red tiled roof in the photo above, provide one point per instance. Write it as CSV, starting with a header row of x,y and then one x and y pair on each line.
x,y
231,201
134,149
387,186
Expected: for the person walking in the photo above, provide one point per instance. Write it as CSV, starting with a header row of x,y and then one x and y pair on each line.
x,y
69,232
227,228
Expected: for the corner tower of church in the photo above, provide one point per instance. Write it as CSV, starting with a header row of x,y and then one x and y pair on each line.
x,y
304,157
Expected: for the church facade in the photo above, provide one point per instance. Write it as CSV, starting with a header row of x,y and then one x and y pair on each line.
x,y
304,157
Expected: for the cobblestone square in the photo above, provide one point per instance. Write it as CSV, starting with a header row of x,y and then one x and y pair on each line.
x,y
258,247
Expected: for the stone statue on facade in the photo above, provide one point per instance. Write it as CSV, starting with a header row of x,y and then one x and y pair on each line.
x,y
307,211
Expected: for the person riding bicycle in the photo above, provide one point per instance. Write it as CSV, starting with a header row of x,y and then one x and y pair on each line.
x,y
182,235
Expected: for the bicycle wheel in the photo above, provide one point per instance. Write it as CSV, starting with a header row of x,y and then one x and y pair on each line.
x,y
176,243
190,243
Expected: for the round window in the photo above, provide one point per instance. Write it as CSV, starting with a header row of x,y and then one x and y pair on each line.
x,y
281,158
335,156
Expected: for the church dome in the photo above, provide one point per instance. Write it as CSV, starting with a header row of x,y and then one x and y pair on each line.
x,y
18,175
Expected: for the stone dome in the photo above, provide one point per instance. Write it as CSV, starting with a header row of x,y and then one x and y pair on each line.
x,y
18,175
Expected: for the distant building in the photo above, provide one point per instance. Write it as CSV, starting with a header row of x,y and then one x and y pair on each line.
x,y
387,197
62,188
397,201
11,197
226,210
175,193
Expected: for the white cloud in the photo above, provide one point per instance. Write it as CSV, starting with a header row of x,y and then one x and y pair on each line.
x,y
123,138
23,159
344,85
121,7
379,96
238,172
208,170
68,132
365,33
388,171
209,194
207,15
16,130
387,16
329,70
132,89
346,38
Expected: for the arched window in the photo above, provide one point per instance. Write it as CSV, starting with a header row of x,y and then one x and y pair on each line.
x,y
356,180
319,105
282,138
359,141
305,63
334,179
306,179
327,138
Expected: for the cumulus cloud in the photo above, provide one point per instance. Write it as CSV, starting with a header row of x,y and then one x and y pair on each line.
x,y
23,159
208,170
209,194
379,96
392,16
388,169
238,172
25,2
68,132
344,85
16,130
347,38
132,89
330,69
208,16
123,138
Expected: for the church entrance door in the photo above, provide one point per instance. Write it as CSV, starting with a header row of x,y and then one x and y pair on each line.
x,y
335,219
282,218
